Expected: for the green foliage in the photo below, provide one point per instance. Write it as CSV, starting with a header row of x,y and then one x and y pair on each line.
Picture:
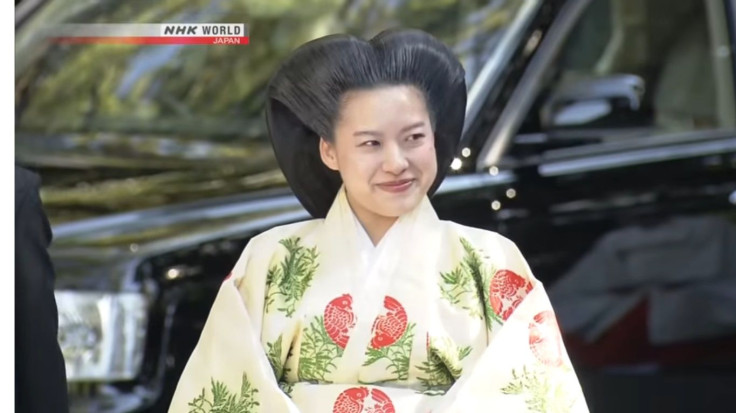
x,y
397,354
273,352
288,281
443,366
318,353
222,400
467,285
541,393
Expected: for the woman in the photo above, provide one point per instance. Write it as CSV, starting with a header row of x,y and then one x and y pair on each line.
x,y
376,305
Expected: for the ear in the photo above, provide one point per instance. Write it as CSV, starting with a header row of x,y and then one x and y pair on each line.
x,y
328,154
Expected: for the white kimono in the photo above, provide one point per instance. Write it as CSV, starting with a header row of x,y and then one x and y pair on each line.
x,y
438,317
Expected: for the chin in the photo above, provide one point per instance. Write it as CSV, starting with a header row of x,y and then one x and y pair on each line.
x,y
398,207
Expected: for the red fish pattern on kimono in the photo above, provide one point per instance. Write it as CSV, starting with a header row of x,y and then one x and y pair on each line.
x,y
356,400
545,340
339,319
390,325
507,290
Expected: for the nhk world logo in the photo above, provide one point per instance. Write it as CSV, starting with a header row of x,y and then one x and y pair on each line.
x,y
152,34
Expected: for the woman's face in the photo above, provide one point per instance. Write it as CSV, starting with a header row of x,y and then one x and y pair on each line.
x,y
384,150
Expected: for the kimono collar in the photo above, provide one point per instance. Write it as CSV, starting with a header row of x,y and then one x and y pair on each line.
x,y
341,219
407,253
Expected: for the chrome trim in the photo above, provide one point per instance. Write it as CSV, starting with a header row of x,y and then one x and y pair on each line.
x,y
722,55
450,185
633,143
474,181
492,68
259,224
636,157
530,83
209,209
165,215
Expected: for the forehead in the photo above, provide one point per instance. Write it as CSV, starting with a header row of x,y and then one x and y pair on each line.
x,y
383,107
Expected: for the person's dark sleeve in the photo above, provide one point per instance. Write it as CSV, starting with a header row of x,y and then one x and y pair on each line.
x,y
40,376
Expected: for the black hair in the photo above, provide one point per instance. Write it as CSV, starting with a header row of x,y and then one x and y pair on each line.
x,y
313,81
306,94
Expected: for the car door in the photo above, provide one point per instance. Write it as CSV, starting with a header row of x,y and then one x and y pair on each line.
x,y
621,140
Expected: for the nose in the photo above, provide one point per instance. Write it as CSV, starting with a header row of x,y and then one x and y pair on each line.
x,y
394,160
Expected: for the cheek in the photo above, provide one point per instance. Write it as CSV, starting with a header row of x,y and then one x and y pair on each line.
x,y
427,159
357,167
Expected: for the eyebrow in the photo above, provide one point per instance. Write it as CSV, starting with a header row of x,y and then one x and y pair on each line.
x,y
376,133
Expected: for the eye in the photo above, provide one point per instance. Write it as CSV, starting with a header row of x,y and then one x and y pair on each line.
x,y
416,136
370,143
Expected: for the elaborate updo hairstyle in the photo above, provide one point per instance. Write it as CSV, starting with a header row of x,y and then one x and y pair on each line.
x,y
304,99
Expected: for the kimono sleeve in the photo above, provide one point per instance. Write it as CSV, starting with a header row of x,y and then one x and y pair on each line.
x,y
229,370
525,367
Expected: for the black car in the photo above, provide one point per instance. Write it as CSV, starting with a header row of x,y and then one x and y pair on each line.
x,y
586,120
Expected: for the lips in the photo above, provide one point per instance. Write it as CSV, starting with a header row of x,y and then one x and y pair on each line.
x,y
396,186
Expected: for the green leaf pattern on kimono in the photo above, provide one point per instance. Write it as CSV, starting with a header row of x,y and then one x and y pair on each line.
x,y
397,354
318,353
223,400
443,365
288,280
273,351
542,393
466,286
286,387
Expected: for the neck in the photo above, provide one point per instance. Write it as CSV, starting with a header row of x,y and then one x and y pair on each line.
x,y
375,225
377,228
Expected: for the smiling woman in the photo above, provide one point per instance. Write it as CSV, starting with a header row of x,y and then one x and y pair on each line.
x,y
376,305
372,106
384,150
343,89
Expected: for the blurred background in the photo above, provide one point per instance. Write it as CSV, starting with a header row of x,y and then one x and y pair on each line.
x,y
600,137
118,128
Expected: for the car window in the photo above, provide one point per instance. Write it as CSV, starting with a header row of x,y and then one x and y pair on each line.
x,y
633,68
120,127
